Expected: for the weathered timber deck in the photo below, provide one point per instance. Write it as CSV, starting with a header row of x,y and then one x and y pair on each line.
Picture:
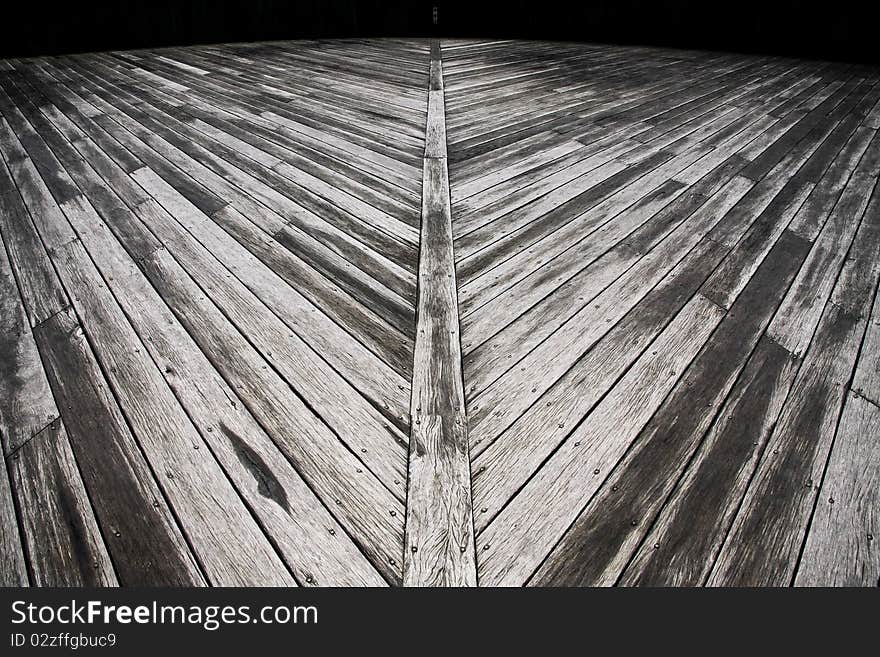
x,y
628,297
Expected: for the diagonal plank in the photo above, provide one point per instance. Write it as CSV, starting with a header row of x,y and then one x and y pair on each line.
x,y
232,231
341,313
627,224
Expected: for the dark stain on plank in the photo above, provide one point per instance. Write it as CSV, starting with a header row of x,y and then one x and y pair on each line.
x,y
773,513
267,484
634,493
63,549
136,525
760,551
77,531
693,534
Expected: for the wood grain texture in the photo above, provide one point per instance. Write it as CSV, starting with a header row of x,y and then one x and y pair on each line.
x,y
866,381
65,546
600,543
578,467
350,313
439,542
13,570
147,546
26,402
683,542
218,524
763,544
841,547
41,292
572,261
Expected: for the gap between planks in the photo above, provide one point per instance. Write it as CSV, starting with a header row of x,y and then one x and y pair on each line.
x,y
439,548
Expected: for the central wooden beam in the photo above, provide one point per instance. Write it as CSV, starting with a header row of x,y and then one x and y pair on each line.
x,y
439,543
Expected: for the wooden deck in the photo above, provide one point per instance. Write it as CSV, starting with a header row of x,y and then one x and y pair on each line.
x,y
381,312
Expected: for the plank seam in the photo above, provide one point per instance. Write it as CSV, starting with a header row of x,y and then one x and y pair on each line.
x,y
288,565
848,388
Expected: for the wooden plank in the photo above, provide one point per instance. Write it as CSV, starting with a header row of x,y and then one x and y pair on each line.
x,y
41,292
226,540
812,216
288,513
26,408
517,541
349,414
763,543
345,354
314,539
307,289
26,402
54,230
767,535
64,544
326,248
142,535
594,191
506,398
364,504
842,547
804,303
677,552
439,540
382,231
684,540
487,360
13,568
866,381
435,127
324,555
600,543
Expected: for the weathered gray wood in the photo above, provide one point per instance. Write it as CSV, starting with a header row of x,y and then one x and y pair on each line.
x,y
378,526
13,568
370,277
227,541
435,127
343,352
439,540
866,381
600,543
842,547
349,414
288,513
141,307
803,304
493,410
147,547
26,407
486,361
314,538
258,271
318,454
515,543
53,227
41,291
64,544
684,540
763,543
766,537
26,402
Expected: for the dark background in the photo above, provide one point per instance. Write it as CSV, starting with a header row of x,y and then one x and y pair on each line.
x,y
841,30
